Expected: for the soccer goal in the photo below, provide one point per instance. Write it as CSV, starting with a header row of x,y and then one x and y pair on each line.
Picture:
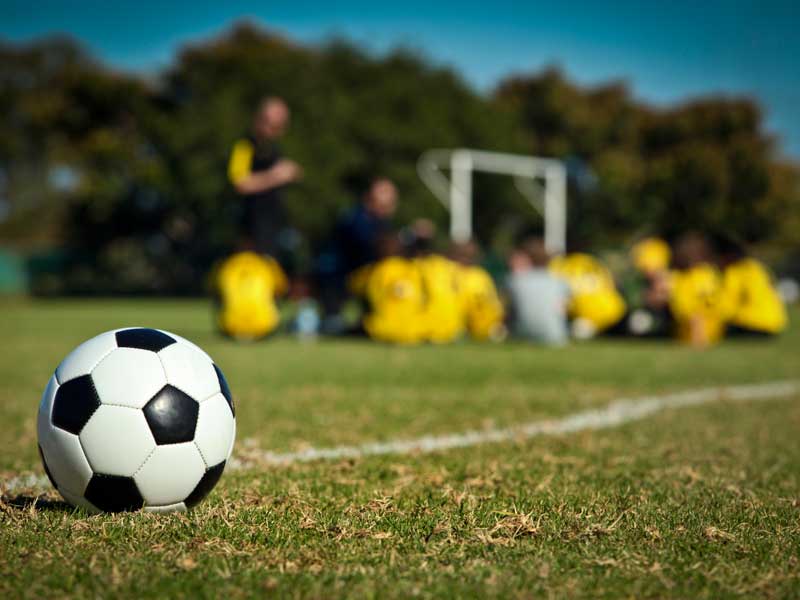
x,y
542,181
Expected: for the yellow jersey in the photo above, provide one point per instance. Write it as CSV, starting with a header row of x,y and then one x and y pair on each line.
x,y
594,296
247,285
483,310
750,299
697,301
393,289
444,310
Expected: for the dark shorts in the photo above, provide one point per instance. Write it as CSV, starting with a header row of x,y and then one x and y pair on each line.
x,y
262,222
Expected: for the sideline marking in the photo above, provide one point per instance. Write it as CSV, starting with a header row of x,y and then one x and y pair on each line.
x,y
617,413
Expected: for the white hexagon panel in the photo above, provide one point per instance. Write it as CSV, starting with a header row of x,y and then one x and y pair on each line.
x,y
117,440
216,429
190,370
46,408
85,357
67,466
160,484
128,377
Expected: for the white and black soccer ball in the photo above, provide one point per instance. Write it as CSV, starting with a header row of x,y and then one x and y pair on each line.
x,y
136,418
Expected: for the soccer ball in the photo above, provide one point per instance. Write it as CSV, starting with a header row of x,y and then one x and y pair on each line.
x,y
136,418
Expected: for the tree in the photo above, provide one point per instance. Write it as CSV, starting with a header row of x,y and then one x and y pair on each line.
x,y
127,174
707,164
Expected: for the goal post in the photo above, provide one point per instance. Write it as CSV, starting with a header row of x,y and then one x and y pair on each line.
x,y
542,181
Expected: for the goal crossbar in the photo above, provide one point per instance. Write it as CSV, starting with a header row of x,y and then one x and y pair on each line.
x,y
542,181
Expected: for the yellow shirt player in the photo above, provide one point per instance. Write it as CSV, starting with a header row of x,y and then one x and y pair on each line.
x,y
247,285
751,302
595,304
443,318
697,304
651,255
483,310
392,288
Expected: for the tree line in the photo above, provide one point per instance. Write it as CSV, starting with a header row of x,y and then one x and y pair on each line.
x,y
125,174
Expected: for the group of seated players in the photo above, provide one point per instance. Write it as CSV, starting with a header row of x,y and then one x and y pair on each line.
x,y
704,288
696,290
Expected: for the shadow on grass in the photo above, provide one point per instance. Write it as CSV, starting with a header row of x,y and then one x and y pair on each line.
x,y
40,502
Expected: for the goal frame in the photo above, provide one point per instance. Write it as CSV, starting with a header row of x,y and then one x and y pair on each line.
x,y
541,181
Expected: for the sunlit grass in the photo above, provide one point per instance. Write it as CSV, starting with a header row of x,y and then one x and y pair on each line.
x,y
698,502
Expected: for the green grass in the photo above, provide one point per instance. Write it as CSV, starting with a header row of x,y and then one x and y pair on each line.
x,y
697,502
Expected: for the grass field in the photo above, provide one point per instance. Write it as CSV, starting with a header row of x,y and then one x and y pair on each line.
x,y
694,502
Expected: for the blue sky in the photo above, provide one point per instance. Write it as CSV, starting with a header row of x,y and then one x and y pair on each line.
x,y
667,51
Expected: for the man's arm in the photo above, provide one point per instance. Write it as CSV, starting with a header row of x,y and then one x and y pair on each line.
x,y
247,182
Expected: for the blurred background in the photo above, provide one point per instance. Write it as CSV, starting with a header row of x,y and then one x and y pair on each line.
x,y
117,122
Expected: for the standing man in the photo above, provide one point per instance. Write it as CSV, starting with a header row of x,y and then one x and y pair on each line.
x,y
258,173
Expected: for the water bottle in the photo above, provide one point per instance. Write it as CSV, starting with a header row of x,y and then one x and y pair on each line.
x,y
307,321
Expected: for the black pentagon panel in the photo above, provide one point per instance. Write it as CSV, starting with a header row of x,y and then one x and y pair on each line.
x,y
172,416
206,484
144,339
47,469
223,387
74,404
111,493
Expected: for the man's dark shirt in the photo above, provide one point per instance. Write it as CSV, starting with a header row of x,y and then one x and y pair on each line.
x,y
263,213
357,235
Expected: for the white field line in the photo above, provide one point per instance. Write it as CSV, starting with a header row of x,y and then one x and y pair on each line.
x,y
617,413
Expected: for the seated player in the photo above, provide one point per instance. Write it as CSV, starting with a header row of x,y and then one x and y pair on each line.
x,y
246,286
443,318
753,305
392,288
696,299
648,289
352,245
595,303
538,297
481,304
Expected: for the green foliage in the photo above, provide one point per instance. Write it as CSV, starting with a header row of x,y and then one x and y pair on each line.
x,y
147,208
707,164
